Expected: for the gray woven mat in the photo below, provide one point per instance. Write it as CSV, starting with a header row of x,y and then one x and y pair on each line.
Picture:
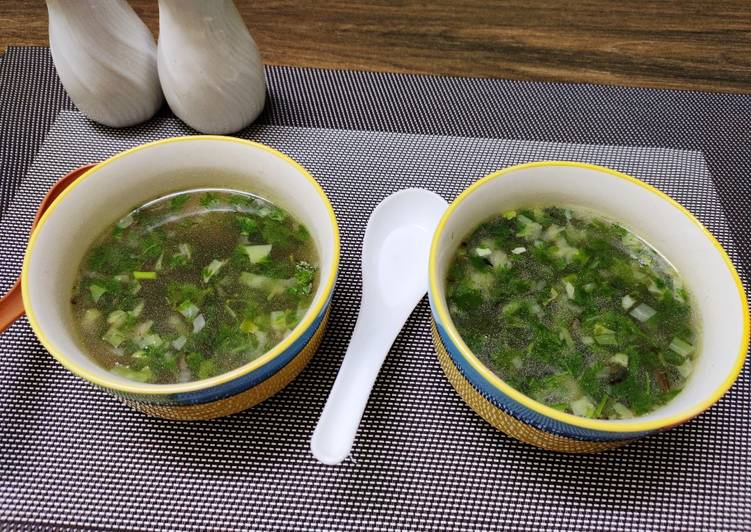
x,y
69,455
423,459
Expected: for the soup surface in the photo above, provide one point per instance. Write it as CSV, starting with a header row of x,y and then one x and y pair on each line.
x,y
574,311
192,285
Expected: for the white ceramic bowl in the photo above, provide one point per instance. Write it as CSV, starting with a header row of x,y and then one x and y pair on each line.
x,y
669,227
111,189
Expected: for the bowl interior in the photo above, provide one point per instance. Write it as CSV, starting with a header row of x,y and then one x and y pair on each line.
x,y
708,274
110,190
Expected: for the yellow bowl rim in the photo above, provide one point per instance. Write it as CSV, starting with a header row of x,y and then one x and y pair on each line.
x,y
136,388
435,285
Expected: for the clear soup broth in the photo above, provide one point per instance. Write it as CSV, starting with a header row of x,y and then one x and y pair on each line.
x,y
192,285
574,311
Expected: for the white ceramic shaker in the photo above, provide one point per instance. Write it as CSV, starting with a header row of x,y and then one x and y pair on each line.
x,y
209,66
106,59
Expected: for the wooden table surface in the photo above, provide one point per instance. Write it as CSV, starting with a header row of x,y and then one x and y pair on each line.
x,y
703,45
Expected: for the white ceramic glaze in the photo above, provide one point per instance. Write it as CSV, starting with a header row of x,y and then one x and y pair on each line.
x,y
707,273
110,190
209,65
394,279
106,59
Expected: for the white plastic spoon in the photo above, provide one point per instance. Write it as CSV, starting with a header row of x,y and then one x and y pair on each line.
x,y
394,279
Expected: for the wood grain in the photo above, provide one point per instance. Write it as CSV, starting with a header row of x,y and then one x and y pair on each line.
x,y
650,43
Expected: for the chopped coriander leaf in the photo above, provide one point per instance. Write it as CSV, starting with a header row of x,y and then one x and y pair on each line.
x,y
210,200
248,226
177,202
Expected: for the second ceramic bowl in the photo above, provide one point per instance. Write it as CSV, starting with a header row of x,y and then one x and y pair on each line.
x,y
669,227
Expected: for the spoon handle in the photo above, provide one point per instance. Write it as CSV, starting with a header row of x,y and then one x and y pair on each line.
x,y
371,340
11,304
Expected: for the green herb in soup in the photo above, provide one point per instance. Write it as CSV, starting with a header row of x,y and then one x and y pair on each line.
x,y
574,311
192,285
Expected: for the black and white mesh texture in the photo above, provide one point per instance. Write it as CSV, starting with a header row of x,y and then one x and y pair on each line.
x,y
71,455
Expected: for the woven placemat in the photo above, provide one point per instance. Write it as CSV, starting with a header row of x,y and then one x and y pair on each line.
x,y
423,459
70,455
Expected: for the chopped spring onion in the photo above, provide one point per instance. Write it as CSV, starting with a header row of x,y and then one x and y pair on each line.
x,y
619,358
257,253
654,289
519,250
553,295
483,252
140,355
552,232
588,340
509,215
117,318
681,347
530,230
184,249
247,326
143,328
114,336
253,280
188,309
600,329
606,339
199,323
566,337
601,406
150,340
686,368
144,275
604,336
278,320
570,290
212,269
179,342
627,302
563,250
262,338
499,259
174,321
136,310
643,312
511,308
583,407
621,411
96,292
143,375
91,317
